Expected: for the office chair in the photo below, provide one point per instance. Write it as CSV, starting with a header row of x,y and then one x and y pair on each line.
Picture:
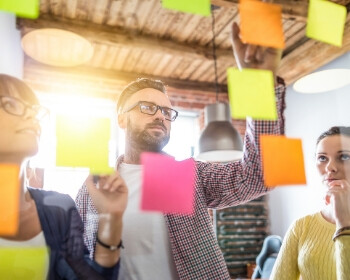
x,y
267,257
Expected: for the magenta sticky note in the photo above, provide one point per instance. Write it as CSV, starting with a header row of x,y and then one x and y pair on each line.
x,y
167,185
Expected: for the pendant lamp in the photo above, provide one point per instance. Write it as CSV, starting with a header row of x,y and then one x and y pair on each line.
x,y
219,141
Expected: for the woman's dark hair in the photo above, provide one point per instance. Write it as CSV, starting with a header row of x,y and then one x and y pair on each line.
x,y
136,86
334,130
10,85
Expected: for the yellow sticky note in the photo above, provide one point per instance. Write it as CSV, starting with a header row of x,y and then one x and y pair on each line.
x,y
251,94
201,7
24,263
83,142
283,160
9,199
261,24
326,21
22,8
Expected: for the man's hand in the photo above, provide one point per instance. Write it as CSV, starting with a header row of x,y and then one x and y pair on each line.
x,y
110,195
252,56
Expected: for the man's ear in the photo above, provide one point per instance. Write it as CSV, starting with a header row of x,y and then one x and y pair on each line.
x,y
122,121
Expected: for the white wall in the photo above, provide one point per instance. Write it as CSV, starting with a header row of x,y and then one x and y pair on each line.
x,y
307,116
11,54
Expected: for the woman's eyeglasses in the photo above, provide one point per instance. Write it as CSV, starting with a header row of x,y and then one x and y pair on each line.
x,y
17,107
150,108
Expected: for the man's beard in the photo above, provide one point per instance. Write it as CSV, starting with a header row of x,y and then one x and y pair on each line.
x,y
146,141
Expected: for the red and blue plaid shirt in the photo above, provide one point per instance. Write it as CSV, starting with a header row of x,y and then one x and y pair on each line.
x,y
193,242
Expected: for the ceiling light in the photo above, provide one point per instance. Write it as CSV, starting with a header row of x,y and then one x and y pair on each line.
x,y
219,141
322,81
57,47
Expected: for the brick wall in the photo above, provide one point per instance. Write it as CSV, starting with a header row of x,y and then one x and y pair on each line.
x,y
196,101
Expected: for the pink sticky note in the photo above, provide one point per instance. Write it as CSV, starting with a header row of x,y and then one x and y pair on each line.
x,y
168,185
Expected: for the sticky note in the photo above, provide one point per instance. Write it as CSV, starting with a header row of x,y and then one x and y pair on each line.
x,y
24,263
251,94
283,160
261,24
83,142
22,8
326,21
167,185
201,7
9,199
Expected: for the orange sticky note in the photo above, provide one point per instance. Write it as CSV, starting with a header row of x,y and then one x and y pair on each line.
x,y
9,198
261,24
283,160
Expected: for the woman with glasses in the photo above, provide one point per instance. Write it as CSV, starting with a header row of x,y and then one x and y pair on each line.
x,y
49,219
317,246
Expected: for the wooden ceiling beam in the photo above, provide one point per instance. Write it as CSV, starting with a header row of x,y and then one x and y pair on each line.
x,y
108,35
100,82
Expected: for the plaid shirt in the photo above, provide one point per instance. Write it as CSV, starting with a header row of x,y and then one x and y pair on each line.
x,y
193,242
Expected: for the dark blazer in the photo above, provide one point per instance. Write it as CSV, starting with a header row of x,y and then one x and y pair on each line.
x,y
63,230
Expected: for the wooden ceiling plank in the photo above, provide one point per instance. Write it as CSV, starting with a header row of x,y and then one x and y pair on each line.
x,y
203,68
164,62
191,27
121,58
129,12
186,73
152,19
44,6
181,67
163,21
55,7
84,8
295,28
144,11
114,13
141,65
152,60
131,60
98,11
223,18
70,8
171,67
179,23
110,57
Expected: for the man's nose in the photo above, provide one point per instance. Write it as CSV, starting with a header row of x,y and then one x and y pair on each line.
x,y
159,115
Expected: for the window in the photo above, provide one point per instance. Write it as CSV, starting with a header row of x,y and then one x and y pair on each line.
x,y
182,144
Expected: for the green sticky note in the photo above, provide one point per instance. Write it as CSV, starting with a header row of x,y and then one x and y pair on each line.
x,y
326,21
22,8
201,7
83,142
24,263
251,94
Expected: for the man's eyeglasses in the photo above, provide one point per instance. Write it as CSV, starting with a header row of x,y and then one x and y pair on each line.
x,y
150,108
17,107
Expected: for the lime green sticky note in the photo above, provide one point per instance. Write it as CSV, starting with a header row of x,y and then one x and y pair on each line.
x,y
326,21
251,94
22,8
24,263
201,7
83,142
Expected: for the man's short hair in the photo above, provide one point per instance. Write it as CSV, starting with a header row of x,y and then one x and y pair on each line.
x,y
136,86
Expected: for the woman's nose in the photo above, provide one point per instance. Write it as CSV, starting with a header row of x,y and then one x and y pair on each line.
x,y
331,166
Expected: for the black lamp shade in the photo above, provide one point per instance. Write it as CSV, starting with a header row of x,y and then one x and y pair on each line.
x,y
219,141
